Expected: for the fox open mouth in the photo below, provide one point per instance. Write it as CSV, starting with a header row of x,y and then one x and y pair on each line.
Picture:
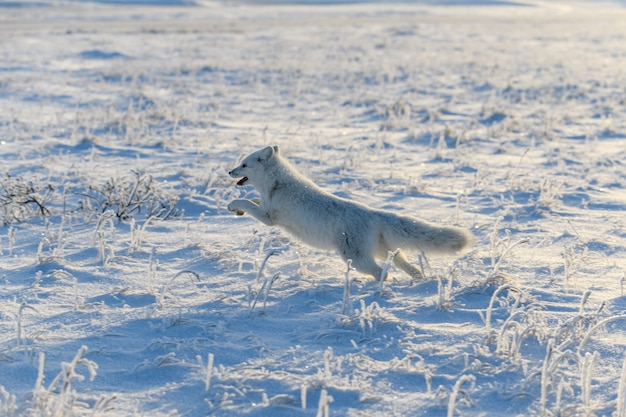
x,y
242,181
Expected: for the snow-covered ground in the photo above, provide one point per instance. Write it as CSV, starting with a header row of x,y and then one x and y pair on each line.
x,y
127,288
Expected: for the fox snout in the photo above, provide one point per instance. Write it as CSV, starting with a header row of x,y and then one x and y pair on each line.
x,y
234,174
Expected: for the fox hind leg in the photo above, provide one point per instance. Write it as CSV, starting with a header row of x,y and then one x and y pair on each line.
x,y
361,260
401,262
399,259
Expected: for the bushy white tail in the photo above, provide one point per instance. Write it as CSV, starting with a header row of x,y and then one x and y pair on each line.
x,y
406,232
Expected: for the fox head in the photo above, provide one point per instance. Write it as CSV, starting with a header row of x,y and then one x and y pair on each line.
x,y
253,165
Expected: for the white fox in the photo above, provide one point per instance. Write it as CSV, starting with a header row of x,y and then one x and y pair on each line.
x,y
355,231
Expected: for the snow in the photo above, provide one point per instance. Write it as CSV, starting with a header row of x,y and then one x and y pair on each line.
x,y
506,119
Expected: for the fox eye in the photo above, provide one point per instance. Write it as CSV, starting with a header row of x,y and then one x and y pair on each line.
x,y
244,165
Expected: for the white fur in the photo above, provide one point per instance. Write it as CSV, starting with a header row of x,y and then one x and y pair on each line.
x,y
321,219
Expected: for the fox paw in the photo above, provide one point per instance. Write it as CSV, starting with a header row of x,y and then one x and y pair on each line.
x,y
234,206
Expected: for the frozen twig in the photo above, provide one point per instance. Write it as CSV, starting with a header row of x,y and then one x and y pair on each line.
x,y
594,328
161,296
267,256
621,392
464,379
492,301
323,407
385,268
346,309
208,370
23,307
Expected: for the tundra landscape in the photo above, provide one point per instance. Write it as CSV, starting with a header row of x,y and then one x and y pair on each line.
x,y
128,289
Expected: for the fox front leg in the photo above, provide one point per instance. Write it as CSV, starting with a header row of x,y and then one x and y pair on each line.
x,y
241,207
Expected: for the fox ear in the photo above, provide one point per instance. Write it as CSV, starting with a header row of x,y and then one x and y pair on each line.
x,y
267,154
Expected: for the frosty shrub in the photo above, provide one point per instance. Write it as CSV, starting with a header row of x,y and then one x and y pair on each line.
x,y
21,199
125,197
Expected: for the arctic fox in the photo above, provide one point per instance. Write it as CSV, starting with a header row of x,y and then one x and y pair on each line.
x,y
355,231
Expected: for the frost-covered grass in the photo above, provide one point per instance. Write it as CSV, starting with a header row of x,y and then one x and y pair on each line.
x,y
127,288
